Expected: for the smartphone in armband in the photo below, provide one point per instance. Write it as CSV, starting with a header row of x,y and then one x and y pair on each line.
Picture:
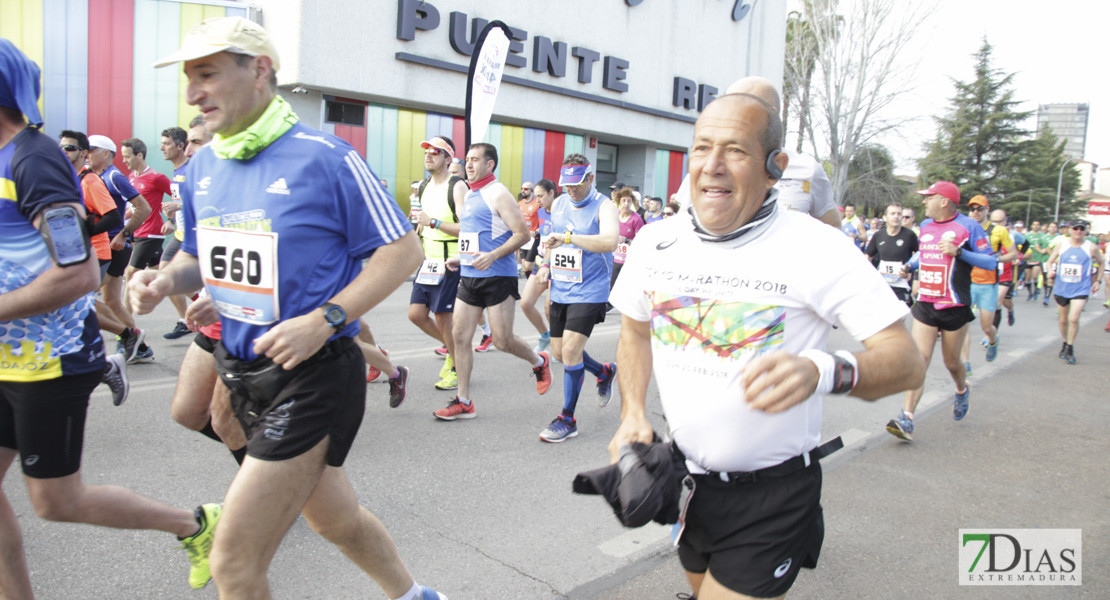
x,y
66,235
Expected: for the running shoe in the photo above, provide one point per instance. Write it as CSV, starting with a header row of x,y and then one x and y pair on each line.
x,y
1071,355
484,345
372,372
959,407
179,331
427,593
397,387
901,427
115,376
1064,351
543,374
450,381
992,351
605,383
1010,318
130,347
1107,327
441,351
199,545
456,410
545,341
986,341
967,367
560,430
1106,304
448,366
143,355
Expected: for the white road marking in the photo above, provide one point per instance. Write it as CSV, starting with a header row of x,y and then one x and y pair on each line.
x,y
635,540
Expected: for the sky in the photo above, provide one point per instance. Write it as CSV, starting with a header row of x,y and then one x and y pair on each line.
x,y
1057,51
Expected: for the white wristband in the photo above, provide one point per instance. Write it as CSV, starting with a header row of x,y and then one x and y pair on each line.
x,y
827,369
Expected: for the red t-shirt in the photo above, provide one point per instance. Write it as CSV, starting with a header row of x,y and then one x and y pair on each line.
x,y
153,186
528,209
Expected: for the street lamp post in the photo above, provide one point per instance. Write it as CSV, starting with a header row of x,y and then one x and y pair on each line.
x,y
1059,188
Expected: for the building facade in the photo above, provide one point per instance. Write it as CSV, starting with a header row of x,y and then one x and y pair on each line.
x,y
1068,122
620,81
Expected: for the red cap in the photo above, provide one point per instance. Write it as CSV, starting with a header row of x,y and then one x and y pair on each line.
x,y
944,188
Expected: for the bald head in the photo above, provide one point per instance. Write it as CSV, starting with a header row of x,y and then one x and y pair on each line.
x,y
760,88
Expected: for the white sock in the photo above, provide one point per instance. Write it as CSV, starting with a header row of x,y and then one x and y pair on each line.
x,y
539,363
485,328
413,593
464,400
908,414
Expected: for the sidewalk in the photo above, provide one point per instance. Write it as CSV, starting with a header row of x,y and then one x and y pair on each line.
x,y
1031,453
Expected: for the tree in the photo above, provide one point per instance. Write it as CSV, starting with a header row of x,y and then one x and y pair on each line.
x,y
1033,172
860,69
801,61
980,134
871,181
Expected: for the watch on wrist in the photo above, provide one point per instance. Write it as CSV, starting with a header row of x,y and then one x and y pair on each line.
x,y
334,315
844,372
566,238
959,251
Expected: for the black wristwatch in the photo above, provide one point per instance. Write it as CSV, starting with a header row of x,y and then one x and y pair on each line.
x,y
334,315
844,375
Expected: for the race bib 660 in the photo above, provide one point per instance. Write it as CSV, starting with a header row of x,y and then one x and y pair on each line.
x,y
240,272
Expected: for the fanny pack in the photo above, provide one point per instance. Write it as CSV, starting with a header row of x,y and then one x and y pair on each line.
x,y
260,380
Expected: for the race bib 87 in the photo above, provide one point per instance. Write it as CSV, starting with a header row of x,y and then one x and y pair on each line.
x,y
240,272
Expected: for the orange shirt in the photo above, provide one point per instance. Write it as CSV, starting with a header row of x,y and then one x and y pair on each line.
x,y
528,209
99,202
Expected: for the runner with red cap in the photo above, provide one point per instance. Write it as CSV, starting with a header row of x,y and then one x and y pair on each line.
x,y
950,245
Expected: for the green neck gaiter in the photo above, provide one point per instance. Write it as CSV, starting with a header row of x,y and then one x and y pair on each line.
x,y
278,118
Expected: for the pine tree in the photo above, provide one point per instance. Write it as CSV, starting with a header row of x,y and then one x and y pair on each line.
x,y
979,136
1035,170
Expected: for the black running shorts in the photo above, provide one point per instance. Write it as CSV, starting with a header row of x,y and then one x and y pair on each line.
x,y
45,422
1062,301
579,318
754,537
120,260
946,319
148,252
287,413
438,298
485,292
206,343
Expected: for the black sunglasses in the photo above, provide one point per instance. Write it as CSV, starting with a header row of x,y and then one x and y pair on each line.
x,y
70,148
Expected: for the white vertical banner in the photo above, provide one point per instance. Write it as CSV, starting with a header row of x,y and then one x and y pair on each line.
x,y
487,63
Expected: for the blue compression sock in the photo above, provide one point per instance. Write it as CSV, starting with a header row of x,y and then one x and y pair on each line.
x,y
592,365
572,387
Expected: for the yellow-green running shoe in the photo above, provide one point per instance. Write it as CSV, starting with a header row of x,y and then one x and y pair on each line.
x,y
199,546
449,381
448,365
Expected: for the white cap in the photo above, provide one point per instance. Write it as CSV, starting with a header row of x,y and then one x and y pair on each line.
x,y
102,141
233,34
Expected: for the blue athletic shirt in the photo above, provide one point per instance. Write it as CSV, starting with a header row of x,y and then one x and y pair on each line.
x,y
307,199
597,267
1073,271
33,175
121,190
476,216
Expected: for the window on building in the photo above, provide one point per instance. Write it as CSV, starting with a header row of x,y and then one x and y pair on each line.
x,y
345,113
606,158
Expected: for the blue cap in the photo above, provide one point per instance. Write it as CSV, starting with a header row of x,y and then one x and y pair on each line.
x,y
574,174
19,82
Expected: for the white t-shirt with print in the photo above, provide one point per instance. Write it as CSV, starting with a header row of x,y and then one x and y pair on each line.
x,y
713,307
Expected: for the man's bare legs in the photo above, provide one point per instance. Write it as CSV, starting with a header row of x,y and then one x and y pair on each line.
x,y
15,582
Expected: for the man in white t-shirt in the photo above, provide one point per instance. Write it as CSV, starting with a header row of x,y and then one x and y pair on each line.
x,y
732,317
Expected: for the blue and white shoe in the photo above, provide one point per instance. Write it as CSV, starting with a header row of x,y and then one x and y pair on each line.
x,y
992,351
560,430
427,593
605,384
545,341
142,355
960,406
901,427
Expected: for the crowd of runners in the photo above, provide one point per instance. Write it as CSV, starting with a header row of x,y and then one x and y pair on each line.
x,y
712,292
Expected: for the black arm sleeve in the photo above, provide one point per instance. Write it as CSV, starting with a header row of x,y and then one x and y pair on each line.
x,y
105,223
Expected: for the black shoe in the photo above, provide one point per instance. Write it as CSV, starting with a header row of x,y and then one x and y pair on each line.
x,y
179,331
1071,356
1064,351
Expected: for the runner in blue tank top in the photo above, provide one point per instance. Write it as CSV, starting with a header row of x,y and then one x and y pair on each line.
x,y
584,233
1070,265
491,229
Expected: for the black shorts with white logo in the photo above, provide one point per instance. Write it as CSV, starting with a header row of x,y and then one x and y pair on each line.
x,y
488,291
45,422
579,318
148,252
438,298
945,319
754,537
287,413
